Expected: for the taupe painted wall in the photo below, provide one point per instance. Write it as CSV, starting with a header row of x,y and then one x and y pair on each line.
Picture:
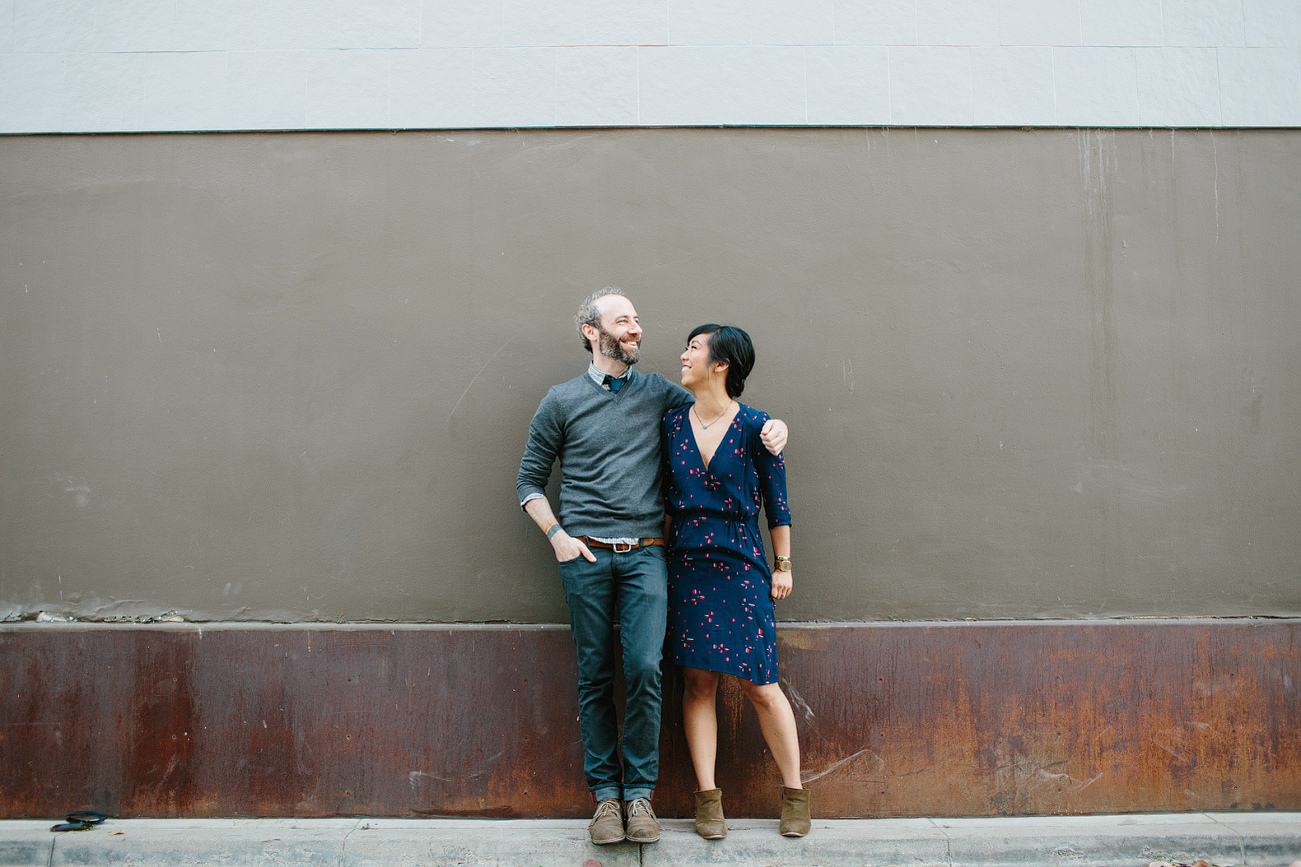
x,y
1029,374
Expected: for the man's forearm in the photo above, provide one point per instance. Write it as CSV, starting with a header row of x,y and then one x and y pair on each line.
x,y
539,509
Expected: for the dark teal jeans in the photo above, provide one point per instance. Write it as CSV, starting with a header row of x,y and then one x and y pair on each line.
x,y
631,589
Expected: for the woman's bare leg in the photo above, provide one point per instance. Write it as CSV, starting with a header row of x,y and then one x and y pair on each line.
x,y
777,722
700,720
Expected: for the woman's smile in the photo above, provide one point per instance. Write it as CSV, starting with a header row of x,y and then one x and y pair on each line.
x,y
695,359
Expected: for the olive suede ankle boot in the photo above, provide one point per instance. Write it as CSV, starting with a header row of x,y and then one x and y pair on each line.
x,y
795,812
710,823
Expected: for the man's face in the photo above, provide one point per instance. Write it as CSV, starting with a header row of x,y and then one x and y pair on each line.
x,y
619,331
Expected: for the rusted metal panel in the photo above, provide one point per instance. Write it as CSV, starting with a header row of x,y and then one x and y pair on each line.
x,y
1002,719
289,722
895,720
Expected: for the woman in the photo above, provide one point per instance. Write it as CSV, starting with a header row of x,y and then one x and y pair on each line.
x,y
721,589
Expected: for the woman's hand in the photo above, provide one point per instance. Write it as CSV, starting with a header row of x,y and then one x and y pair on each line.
x,y
782,584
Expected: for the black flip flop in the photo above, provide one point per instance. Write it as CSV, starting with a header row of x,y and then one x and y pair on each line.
x,y
80,820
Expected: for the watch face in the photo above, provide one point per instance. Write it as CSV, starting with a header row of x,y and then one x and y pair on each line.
x,y
783,566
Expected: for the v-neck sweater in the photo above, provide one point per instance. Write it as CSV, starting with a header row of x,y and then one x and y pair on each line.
x,y
608,445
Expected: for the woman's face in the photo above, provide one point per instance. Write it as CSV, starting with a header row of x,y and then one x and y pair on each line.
x,y
696,367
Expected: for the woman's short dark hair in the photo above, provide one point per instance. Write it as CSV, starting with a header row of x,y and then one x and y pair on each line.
x,y
732,346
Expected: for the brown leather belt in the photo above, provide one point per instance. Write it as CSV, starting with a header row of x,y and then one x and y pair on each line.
x,y
622,547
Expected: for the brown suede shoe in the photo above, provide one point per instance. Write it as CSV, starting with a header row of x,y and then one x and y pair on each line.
x,y
795,813
643,827
710,823
607,823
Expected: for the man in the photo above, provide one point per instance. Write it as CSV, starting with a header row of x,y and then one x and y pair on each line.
x,y
604,426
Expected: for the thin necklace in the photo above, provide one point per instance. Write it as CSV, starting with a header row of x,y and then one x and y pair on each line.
x,y
704,426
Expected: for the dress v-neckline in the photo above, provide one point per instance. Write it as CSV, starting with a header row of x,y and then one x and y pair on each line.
x,y
691,431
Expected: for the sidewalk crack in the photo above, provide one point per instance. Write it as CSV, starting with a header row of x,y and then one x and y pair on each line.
x,y
343,850
948,841
1241,837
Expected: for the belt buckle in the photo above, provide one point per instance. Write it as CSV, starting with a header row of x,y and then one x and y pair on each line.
x,y
623,547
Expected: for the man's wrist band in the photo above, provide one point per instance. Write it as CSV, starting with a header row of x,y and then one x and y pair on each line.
x,y
553,530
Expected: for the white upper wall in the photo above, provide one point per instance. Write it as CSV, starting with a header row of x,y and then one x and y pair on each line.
x,y
157,65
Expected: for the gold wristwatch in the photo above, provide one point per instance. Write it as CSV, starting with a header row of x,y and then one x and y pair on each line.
x,y
783,564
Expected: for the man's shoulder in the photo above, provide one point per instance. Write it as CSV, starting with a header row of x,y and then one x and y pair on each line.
x,y
656,384
653,381
568,389
560,401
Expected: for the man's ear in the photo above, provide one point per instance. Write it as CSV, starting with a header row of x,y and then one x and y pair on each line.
x,y
590,332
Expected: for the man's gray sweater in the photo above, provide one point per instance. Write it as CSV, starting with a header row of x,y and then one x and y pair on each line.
x,y
609,450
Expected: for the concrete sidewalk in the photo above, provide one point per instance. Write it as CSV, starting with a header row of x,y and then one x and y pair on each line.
x,y
1267,839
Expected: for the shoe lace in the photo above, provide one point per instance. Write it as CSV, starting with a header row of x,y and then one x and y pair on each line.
x,y
605,808
640,805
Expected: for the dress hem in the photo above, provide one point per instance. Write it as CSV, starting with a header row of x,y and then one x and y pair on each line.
x,y
726,671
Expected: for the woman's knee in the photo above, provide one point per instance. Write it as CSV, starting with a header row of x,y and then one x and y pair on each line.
x,y
766,695
700,684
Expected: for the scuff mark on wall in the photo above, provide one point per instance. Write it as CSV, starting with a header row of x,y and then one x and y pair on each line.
x,y
798,704
485,768
877,767
1215,161
1098,166
475,379
1044,777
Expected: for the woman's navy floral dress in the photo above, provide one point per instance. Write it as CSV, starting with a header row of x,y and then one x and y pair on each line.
x,y
720,607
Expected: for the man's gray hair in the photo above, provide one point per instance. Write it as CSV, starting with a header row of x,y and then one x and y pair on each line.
x,y
589,314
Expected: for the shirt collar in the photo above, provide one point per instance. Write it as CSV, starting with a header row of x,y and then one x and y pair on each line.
x,y
598,376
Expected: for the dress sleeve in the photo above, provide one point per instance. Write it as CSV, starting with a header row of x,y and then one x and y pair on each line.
x,y
772,477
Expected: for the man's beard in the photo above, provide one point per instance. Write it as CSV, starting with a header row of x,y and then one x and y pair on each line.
x,y
612,348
